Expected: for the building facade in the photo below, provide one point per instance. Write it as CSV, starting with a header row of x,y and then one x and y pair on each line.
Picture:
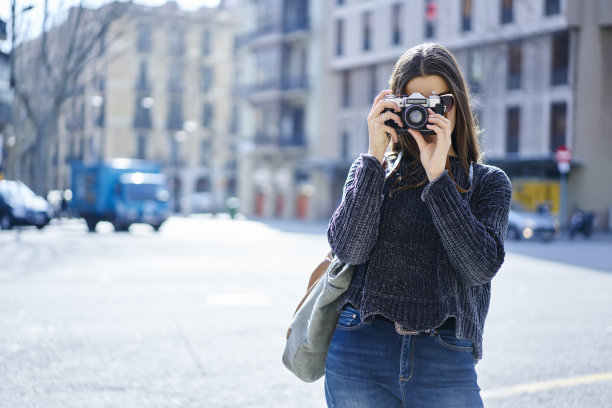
x,y
159,89
280,85
6,98
537,73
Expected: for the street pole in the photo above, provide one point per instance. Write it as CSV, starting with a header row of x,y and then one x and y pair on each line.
x,y
563,157
564,212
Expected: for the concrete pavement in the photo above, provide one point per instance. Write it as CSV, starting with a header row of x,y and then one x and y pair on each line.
x,y
195,316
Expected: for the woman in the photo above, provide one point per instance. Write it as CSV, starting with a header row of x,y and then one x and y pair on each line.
x,y
426,225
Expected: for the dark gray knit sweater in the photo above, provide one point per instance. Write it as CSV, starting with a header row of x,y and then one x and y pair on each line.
x,y
427,253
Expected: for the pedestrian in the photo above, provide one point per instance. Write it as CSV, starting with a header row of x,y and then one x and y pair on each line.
x,y
425,222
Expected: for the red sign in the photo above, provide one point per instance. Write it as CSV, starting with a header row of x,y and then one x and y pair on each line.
x,y
431,11
563,155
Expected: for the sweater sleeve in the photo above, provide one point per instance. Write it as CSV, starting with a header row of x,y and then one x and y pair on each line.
x,y
473,240
353,227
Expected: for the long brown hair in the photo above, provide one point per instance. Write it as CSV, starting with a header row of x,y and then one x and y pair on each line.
x,y
435,59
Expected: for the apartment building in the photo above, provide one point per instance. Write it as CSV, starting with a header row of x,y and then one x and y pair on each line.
x,y
160,89
280,87
538,72
6,97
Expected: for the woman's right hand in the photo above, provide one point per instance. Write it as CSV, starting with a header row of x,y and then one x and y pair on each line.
x,y
381,134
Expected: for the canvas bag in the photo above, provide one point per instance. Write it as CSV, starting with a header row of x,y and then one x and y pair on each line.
x,y
315,320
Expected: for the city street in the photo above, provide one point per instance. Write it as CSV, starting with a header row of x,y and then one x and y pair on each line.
x,y
195,316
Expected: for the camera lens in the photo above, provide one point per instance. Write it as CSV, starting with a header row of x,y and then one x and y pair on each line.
x,y
415,116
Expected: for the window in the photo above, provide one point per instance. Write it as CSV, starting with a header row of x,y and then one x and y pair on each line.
x,y
207,115
396,34
176,39
367,31
560,58
466,15
558,125
552,7
142,118
141,146
234,119
143,77
507,13
514,65
513,118
475,70
203,183
206,50
295,15
339,37
373,85
292,127
144,38
175,113
431,15
207,78
346,89
205,155
345,145
268,66
175,80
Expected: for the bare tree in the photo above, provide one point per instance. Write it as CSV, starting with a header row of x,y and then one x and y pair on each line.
x,y
46,72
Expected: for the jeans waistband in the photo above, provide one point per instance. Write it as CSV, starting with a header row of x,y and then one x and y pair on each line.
x,y
448,324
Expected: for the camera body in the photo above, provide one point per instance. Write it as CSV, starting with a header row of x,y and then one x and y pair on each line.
x,y
414,112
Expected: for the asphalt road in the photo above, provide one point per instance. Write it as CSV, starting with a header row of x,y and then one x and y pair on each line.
x,y
195,316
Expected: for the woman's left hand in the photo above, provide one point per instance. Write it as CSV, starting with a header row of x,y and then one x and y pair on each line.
x,y
434,151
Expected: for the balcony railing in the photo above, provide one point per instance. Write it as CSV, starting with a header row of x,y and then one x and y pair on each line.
x,y
282,141
297,82
286,84
277,28
264,139
293,140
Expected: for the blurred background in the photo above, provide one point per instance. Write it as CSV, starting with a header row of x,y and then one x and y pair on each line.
x,y
266,100
228,126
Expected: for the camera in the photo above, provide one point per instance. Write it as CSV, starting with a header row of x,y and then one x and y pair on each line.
x,y
414,111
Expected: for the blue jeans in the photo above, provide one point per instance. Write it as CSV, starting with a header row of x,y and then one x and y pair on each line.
x,y
371,365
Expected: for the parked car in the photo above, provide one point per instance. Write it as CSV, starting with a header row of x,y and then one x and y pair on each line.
x,y
523,224
21,206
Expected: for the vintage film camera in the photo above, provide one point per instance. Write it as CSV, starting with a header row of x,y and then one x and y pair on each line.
x,y
414,111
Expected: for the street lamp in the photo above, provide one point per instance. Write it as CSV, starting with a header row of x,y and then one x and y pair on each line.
x,y
178,138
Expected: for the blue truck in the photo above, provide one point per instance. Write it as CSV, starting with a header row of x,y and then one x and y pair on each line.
x,y
121,191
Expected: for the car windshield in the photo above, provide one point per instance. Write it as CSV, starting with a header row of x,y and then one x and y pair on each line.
x,y
13,190
140,192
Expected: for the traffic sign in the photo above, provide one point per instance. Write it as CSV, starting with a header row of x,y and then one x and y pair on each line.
x,y
563,155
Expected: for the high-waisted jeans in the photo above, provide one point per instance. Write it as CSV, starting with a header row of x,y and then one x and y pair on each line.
x,y
371,365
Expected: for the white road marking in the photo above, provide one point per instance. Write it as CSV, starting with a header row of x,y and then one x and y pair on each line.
x,y
238,299
534,387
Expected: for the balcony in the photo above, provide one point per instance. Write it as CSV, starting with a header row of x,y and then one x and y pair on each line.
x,y
291,83
264,141
287,87
273,32
294,140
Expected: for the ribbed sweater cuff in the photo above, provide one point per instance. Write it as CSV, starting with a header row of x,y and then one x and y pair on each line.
x,y
369,173
441,194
